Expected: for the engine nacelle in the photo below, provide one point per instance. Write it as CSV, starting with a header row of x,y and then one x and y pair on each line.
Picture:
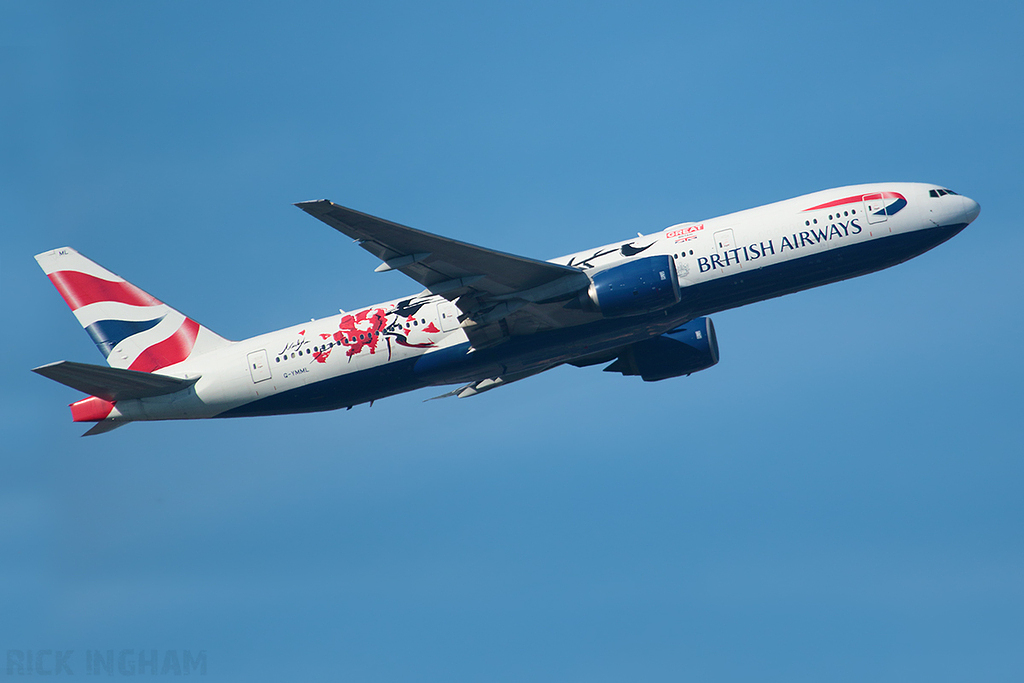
x,y
640,286
682,351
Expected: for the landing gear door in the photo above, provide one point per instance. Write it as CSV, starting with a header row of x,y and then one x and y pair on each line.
x,y
259,366
448,316
874,208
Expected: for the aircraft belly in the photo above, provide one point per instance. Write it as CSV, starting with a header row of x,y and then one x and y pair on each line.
x,y
340,391
817,269
456,364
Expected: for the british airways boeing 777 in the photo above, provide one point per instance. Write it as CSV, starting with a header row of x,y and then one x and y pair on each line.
x,y
486,318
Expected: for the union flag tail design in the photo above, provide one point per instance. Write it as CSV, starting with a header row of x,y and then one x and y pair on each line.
x,y
132,329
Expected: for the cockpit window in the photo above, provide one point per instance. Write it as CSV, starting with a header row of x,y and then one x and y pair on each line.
x,y
939,193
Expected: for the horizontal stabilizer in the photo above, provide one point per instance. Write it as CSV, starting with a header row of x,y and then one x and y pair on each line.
x,y
104,427
112,384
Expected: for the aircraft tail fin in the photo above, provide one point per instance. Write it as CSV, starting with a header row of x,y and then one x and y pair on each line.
x,y
132,329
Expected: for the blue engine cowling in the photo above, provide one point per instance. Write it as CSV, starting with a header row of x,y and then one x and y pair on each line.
x,y
640,286
682,351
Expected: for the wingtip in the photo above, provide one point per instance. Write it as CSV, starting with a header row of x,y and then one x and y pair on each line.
x,y
310,203
445,395
41,370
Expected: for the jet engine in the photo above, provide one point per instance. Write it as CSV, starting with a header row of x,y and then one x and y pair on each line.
x,y
639,286
682,351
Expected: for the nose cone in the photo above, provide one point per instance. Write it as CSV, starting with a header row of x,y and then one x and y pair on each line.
x,y
971,209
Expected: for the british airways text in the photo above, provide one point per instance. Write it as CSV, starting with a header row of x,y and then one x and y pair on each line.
x,y
752,252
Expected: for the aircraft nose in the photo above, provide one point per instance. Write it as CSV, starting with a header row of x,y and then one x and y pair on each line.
x,y
971,209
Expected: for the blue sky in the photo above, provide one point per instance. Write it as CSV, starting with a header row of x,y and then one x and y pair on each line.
x,y
838,499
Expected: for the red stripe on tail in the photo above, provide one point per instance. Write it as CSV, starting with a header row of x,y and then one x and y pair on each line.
x,y
172,350
80,289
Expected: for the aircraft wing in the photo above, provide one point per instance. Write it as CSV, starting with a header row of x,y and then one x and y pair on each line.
x,y
451,268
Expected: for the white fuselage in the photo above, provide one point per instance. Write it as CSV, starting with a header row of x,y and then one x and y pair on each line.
x,y
824,237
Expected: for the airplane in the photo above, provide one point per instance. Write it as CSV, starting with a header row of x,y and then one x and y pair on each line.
x,y
485,318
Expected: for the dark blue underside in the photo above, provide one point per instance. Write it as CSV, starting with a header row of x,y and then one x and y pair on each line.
x,y
834,265
545,349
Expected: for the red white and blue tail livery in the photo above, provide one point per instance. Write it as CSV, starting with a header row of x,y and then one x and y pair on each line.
x,y
486,318
132,329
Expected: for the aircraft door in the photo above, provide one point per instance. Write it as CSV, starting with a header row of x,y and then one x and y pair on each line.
x,y
259,366
724,241
874,208
448,316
